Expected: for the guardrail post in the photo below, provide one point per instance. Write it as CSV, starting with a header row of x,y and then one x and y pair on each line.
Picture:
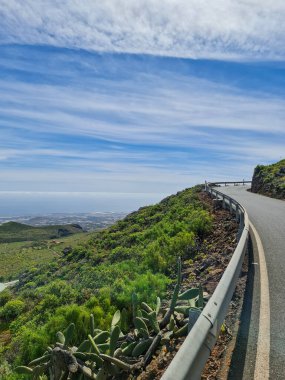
x,y
231,206
237,214
224,203
241,225
241,221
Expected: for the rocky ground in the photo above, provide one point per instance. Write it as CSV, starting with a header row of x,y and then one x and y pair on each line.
x,y
214,255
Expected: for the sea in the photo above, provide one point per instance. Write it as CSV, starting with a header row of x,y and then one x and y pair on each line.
x,y
18,203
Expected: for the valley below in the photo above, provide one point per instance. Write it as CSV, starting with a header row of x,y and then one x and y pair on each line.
x,y
23,246
88,221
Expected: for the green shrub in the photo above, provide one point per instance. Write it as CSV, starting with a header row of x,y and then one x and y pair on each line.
x,y
30,343
6,372
5,296
147,286
12,309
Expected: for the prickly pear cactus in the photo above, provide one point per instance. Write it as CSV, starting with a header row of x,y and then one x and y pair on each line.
x,y
108,354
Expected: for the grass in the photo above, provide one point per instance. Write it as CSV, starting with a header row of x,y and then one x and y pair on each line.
x,y
16,257
15,232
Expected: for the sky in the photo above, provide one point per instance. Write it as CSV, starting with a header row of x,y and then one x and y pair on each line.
x,y
135,99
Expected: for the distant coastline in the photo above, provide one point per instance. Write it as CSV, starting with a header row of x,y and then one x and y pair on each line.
x,y
88,221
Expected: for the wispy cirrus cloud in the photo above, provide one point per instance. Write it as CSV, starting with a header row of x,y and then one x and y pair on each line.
x,y
76,121
177,108
222,29
98,132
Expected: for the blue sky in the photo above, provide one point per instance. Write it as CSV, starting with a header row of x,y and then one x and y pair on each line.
x,y
138,97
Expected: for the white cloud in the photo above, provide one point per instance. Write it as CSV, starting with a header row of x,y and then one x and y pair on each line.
x,y
226,29
156,132
129,178
180,111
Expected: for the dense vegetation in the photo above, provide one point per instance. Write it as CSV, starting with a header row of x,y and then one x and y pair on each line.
x,y
15,232
124,349
270,180
137,254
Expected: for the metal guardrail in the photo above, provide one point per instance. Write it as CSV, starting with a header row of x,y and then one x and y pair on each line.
x,y
191,358
235,183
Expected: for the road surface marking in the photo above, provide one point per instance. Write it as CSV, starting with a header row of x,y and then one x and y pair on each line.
x,y
261,371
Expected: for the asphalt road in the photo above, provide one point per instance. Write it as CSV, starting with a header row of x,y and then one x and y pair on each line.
x,y
268,217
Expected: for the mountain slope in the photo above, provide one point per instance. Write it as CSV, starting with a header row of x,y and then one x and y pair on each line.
x,y
137,254
270,180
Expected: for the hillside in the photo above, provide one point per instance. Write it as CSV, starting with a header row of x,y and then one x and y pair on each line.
x,y
137,254
16,232
15,257
270,180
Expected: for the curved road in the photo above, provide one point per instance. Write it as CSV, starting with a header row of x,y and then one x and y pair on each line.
x,y
268,217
